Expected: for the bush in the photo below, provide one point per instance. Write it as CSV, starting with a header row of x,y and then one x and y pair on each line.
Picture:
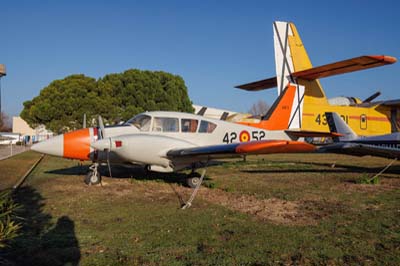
x,y
9,228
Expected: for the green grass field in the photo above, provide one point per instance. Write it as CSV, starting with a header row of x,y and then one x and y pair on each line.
x,y
272,210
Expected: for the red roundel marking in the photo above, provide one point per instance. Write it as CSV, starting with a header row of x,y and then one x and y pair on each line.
x,y
244,136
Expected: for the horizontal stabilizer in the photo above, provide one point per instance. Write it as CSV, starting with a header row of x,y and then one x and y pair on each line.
x,y
345,66
341,67
259,85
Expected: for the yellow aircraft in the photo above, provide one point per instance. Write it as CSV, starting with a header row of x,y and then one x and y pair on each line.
x,y
294,66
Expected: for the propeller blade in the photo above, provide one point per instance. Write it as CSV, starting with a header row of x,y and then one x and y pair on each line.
x,y
372,97
101,125
84,120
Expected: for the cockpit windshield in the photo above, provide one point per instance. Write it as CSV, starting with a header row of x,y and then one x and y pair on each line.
x,y
142,122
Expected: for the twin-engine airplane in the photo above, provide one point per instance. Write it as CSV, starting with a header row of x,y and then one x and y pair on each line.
x,y
172,141
294,66
346,141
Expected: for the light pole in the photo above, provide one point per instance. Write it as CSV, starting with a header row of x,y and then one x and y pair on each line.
x,y
2,73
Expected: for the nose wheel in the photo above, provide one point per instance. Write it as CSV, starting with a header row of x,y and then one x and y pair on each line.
x,y
93,177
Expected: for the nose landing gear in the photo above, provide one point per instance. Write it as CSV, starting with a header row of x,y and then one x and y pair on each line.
x,y
93,177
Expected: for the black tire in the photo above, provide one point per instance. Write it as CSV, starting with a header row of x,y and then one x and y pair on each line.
x,y
92,178
193,180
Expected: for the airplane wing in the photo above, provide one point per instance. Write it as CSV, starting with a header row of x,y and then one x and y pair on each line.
x,y
341,67
392,103
252,147
361,149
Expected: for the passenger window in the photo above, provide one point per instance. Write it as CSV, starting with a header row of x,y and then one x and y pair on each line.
x,y
206,127
189,125
165,124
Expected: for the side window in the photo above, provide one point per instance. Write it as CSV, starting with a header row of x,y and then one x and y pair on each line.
x,y
206,127
189,125
165,124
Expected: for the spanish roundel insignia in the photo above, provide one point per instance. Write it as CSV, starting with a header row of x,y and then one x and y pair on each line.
x,y
244,136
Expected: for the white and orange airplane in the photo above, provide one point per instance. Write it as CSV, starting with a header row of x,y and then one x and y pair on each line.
x,y
293,66
172,141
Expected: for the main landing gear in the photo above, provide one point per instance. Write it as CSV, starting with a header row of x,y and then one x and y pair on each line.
x,y
193,179
93,176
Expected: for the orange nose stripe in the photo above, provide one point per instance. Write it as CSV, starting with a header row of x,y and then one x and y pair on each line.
x,y
77,144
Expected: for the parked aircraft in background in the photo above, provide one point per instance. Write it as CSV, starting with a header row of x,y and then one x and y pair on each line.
x,y
348,142
172,141
294,66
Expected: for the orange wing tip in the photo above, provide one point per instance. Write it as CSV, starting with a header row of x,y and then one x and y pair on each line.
x,y
385,58
275,146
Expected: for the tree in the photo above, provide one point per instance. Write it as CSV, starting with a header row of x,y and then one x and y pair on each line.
x,y
61,105
259,108
116,97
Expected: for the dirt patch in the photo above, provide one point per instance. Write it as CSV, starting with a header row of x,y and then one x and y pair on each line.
x,y
273,209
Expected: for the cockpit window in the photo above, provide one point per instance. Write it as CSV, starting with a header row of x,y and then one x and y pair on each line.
x,y
206,127
189,125
142,122
165,124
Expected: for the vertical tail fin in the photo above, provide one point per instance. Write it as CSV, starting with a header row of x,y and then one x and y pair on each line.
x,y
337,125
291,56
286,112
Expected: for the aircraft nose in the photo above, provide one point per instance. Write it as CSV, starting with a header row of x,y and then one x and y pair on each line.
x,y
53,146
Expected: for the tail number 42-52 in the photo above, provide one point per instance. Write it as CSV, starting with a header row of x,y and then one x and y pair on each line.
x,y
243,136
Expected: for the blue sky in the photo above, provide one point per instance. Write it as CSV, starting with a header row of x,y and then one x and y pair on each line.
x,y
213,45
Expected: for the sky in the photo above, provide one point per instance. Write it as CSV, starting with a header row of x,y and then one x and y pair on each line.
x,y
212,45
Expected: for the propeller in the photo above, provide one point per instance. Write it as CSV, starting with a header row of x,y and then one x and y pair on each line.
x,y
372,97
103,144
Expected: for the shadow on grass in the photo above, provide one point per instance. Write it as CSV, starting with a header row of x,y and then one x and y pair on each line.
x,y
328,168
40,242
120,171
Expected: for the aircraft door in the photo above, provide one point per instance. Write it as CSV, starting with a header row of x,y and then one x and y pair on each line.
x,y
363,121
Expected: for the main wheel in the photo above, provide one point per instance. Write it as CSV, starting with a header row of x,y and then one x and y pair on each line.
x,y
93,178
193,180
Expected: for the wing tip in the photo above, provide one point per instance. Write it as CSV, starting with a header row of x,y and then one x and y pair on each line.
x,y
384,58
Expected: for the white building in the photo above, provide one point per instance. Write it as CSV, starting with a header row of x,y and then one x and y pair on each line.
x,y
29,135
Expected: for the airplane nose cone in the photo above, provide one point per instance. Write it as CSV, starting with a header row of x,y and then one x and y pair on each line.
x,y
53,146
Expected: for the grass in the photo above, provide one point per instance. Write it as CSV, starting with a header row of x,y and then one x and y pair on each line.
x,y
271,210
